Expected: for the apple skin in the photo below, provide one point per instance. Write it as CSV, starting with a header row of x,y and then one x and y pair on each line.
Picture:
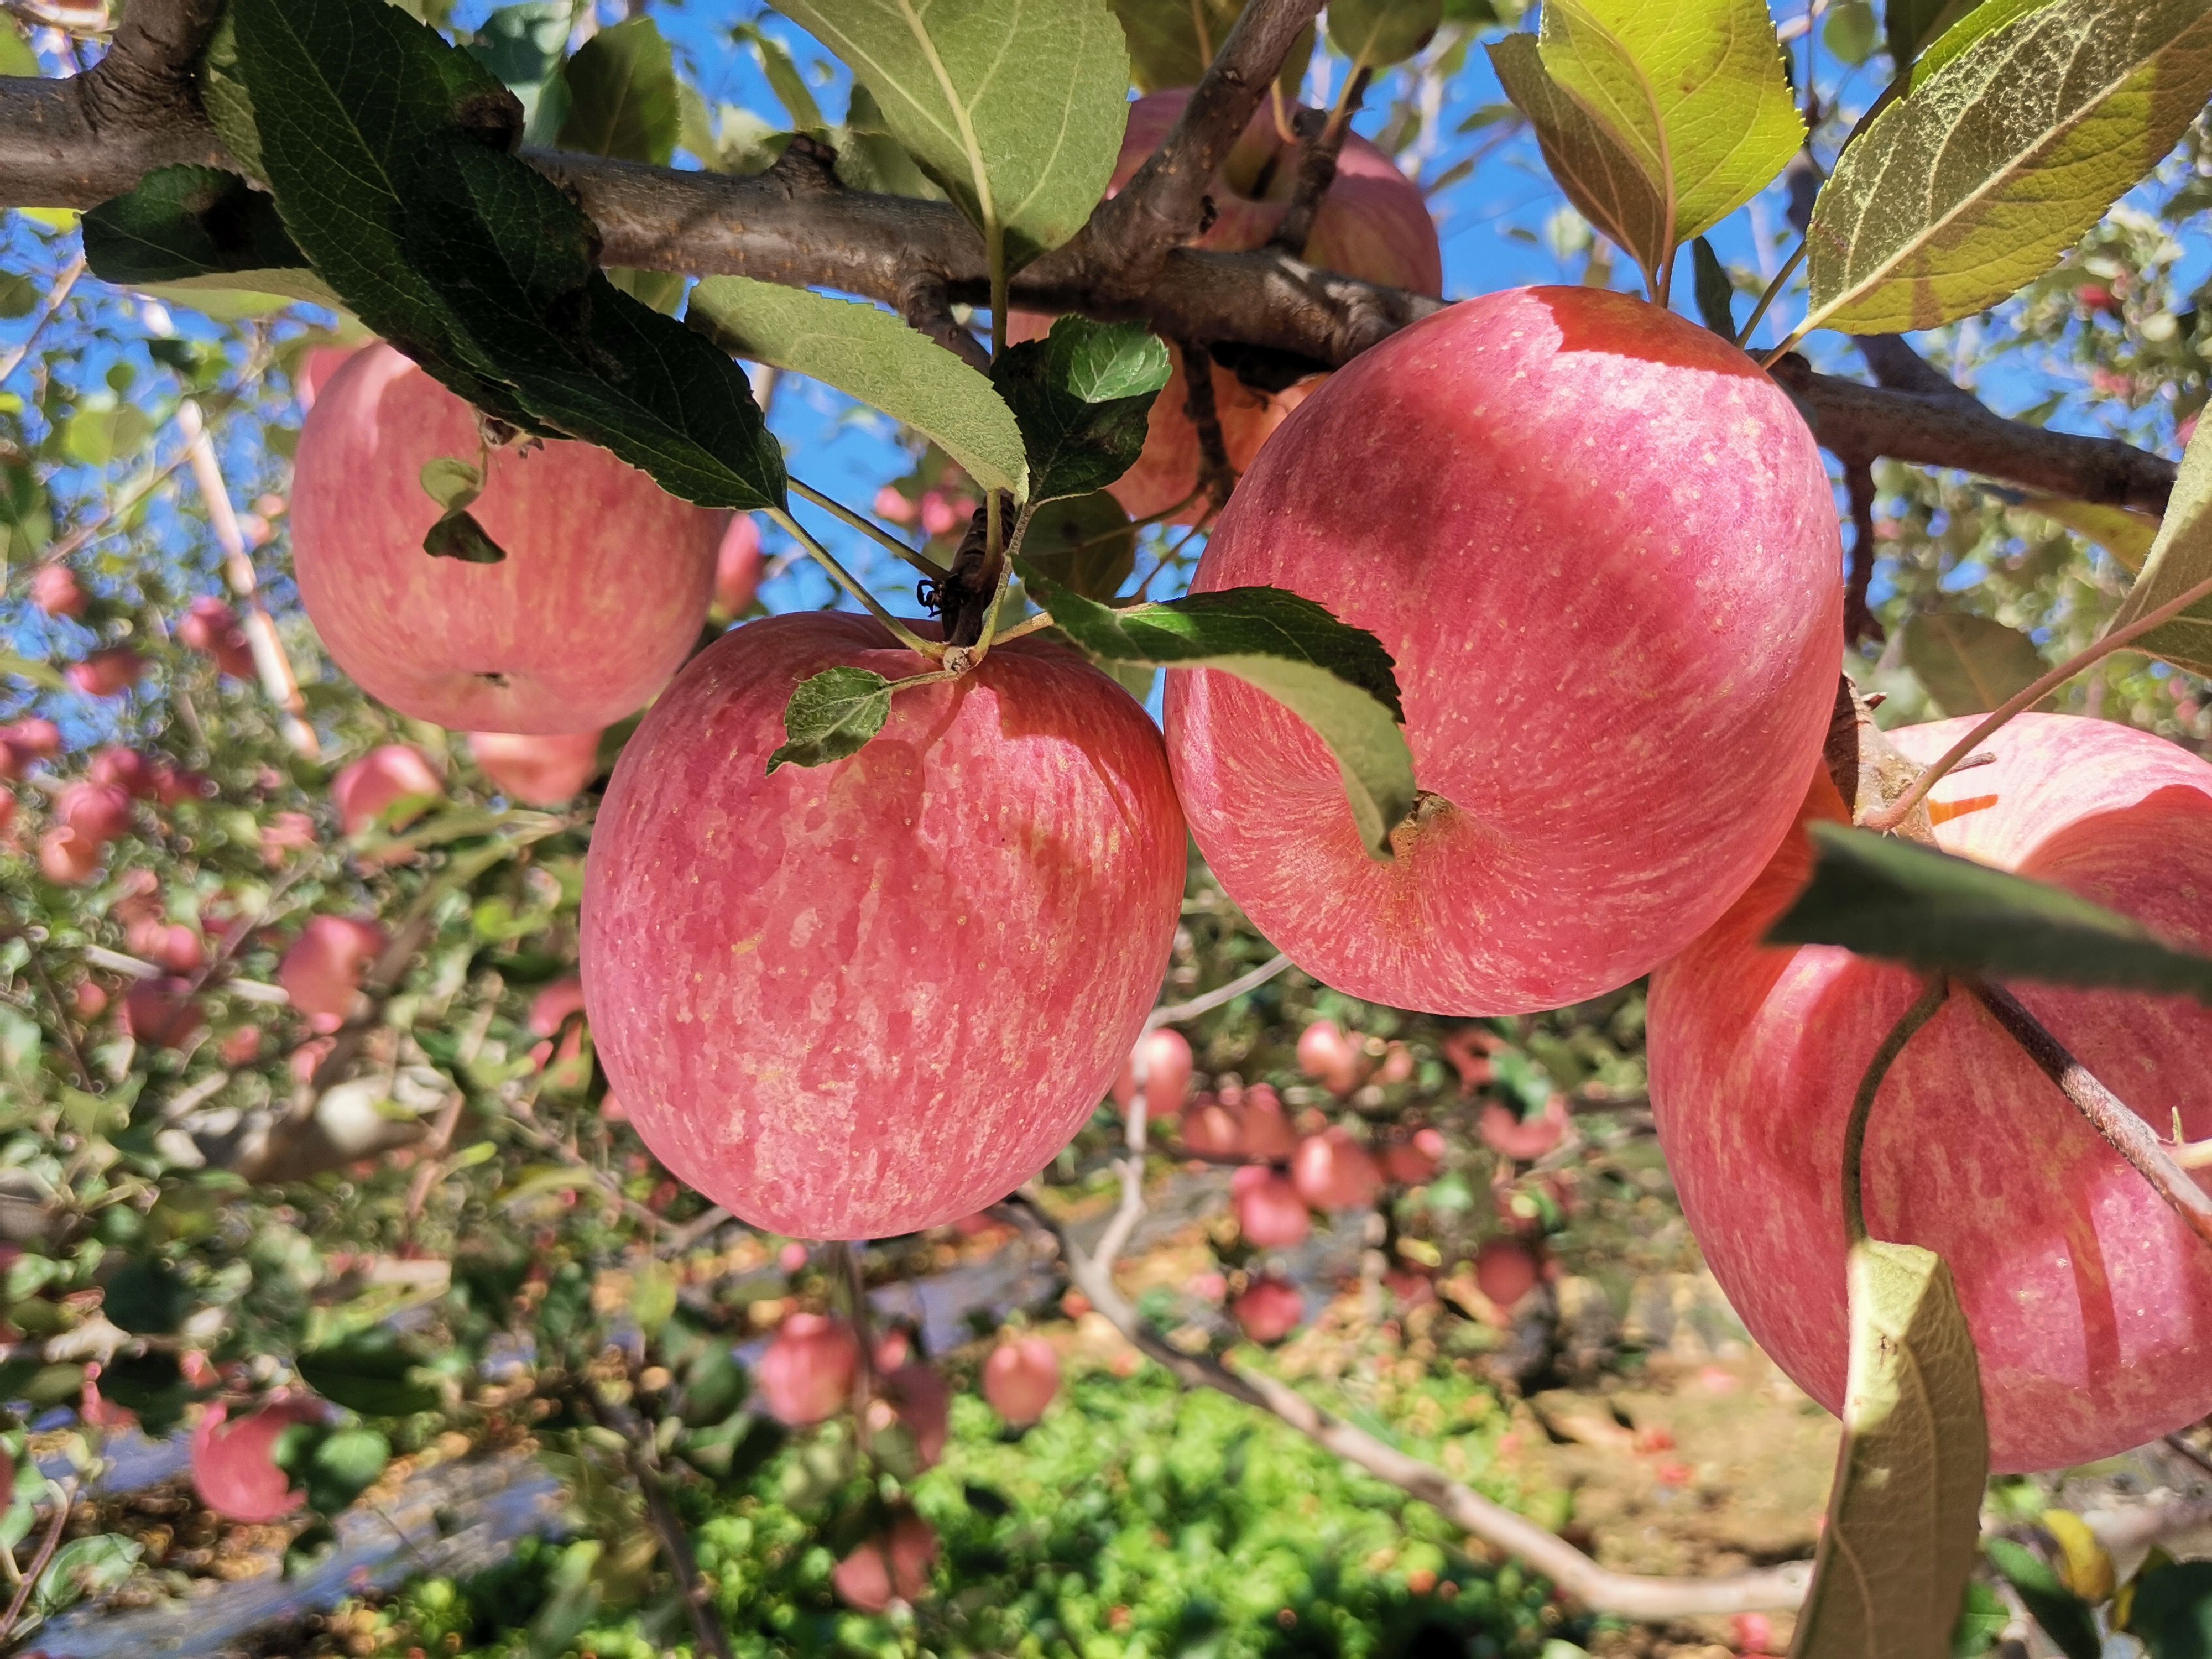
x,y
537,771
1325,1053
806,1374
844,1042
1264,1131
234,1464
107,672
1507,1269
1373,224
1270,1213
2090,1301
160,1013
1167,1074
67,857
738,566
600,597
1020,1379
99,810
323,970
1332,1171
1602,548
894,1565
1270,1308
387,773
56,590
212,628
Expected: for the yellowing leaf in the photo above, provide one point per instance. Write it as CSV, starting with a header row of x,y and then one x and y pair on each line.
x,y
2180,558
2086,1568
1955,197
1694,89
2121,531
1903,1518
1600,174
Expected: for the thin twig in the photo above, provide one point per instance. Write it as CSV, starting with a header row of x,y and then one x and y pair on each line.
x,y
2177,1444
1216,476
2028,699
62,1504
1175,1013
667,1525
55,295
2111,1116
1321,140
1622,1594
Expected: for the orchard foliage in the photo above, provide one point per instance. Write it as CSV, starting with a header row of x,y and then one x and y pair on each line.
x,y
479,978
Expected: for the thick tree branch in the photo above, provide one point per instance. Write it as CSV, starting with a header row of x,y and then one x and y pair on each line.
x,y
75,142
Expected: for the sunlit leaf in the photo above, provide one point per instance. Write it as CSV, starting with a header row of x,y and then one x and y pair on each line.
x,y
1904,1518
832,715
1083,398
2180,558
1957,196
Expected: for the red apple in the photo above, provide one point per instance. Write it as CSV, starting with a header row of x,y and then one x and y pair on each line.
x,y
553,1015
67,857
212,628
1332,1171
1524,1140
894,1566
1265,1132
921,1402
1167,1057
89,999
601,594
107,672
913,1551
738,566
1270,1309
241,1047
541,771
1507,1269
1020,1379
1326,1054
1614,616
316,366
2090,1301
123,768
390,773
1269,1211
234,1464
842,1044
286,832
56,590
97,810
171,944
1211,1129
1373,224
160,1013
806,1374
39,739
1411,1163
323,970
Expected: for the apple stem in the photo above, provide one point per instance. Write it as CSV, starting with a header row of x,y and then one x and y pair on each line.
x,y
1855,1126
1897,809
906,637
2111,1116
868,527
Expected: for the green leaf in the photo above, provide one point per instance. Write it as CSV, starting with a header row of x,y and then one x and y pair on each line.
x,y
1956,197
783,77
17,57
1903,1517
38,673
450,481
1905,902
343,1465
830,715
457,535
1970,664
198,227
1599,173
2170,1610
1978,19
1982,1620
1380,32
1909,25
865,351
522,44
622,95
1086,544
1716,293
2064,1616
870,158
85,1567
386,148
1083,399
1850,32
2126,534
1695,89
1172,41
147,1298
1335,677
2180,558
370,1372
1025,152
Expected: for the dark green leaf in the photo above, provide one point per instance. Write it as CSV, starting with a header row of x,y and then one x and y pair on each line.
x,y
344,1466
193,224
2064,1616
522,44
1903,902
831,715
1909,25
147,1298
1086,544
2170,1610
370,1372
19,294
387,150
1172,41
622,95
1890,1574
457,535
1716,293
1336,678
1082,398
1982,1620
151,1384
1380,33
